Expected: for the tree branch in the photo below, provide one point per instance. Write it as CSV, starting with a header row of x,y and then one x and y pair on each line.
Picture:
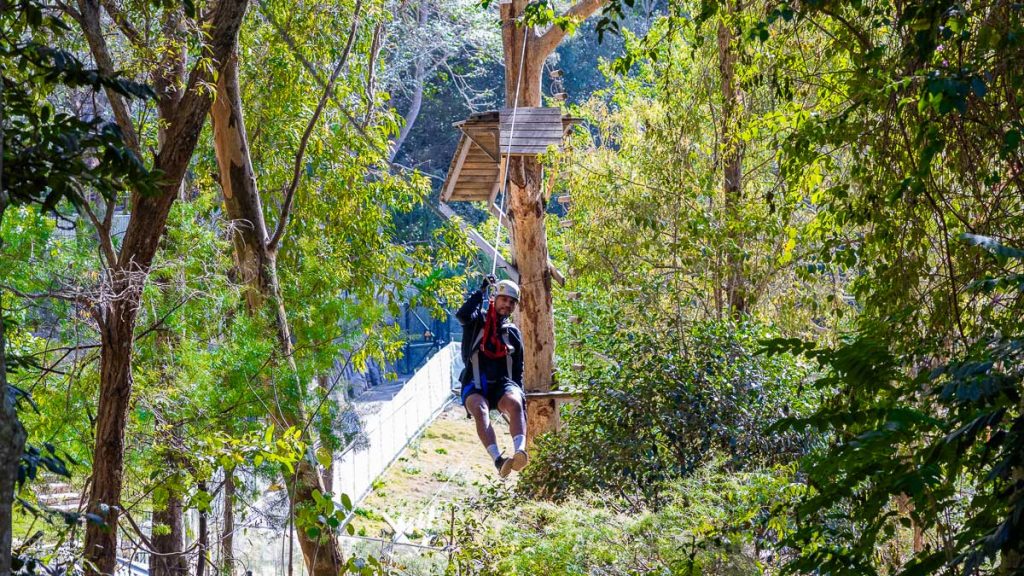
x,y
319,79
103,231
119,18
223,22
548,41
89,19
289,199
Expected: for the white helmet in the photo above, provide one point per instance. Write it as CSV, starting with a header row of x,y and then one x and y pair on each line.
x,y
506,288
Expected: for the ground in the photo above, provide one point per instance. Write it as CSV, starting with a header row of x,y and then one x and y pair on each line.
x,y
413,501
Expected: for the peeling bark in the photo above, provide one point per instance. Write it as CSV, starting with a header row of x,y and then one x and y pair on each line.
x,y
257,267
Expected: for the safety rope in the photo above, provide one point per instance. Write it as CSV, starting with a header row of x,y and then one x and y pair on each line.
x,y
508,153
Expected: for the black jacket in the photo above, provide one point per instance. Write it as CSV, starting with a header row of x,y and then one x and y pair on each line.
x,y
472,317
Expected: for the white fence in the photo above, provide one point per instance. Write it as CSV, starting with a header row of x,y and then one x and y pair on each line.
x,y
398,421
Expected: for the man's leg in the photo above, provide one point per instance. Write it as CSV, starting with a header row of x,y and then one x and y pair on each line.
x,y
511,405
478,408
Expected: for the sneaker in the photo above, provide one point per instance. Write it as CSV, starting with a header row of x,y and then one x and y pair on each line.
x,y
504,466
519,460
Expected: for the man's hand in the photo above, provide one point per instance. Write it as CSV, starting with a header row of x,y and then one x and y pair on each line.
x,y
489,281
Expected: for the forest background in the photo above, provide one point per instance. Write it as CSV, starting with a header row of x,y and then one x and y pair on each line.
x,y
792,233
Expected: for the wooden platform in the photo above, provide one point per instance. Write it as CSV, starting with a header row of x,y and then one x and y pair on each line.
x,y
475,173
530,131
473,176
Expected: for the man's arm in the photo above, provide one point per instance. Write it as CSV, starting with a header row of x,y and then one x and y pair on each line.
x,y
470,311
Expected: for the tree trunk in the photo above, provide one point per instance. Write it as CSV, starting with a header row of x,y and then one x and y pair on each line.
x,y
123,283
419,81
12,434
257,266
12,443
167,558
203,541
168,554
227,536
116,335
529,236
732,163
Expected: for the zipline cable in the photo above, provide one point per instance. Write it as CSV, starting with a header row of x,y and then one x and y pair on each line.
x,y
508,152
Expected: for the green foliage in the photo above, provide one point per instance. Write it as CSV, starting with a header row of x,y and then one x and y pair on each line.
x,y
323,515
656,406
923,141
50,155
651,224
716,521
939,443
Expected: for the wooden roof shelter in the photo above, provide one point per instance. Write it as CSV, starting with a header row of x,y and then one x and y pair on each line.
x,y
475,173
477,170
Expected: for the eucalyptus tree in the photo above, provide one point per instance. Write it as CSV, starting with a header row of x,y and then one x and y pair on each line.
x,y
525,51
322,178
47,157
180,63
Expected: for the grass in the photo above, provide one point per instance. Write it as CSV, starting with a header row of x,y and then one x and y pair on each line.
x,y
442,467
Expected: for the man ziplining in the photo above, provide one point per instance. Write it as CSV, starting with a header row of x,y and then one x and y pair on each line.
x,y
492,349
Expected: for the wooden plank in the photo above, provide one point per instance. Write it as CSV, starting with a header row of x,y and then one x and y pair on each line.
x,y
552,135
480,130
543,111
556,273
482,142
525,137
475,185
540,129
532,121
453,172
533,127
530,142
474,196
543,142
534,130
526,150
553,395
